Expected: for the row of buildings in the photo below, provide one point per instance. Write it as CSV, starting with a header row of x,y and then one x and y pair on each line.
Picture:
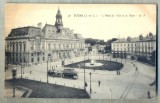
x,y
34,45
135,46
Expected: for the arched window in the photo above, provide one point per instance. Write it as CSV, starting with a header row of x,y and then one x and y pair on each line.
x,y
63,46
59,46
24,47
49,46
13,48
16,46
20,46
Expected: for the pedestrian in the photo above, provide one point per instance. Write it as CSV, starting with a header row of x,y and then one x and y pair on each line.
x,y
149,94
136,68
99,83
86,84
117,72
30,71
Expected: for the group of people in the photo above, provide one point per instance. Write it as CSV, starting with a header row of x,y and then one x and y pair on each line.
x,y
118,72
99,83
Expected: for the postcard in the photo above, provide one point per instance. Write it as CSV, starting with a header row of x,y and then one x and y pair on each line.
x,y
82,51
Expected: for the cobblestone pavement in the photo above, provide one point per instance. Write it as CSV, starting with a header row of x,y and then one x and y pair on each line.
x,y
131,84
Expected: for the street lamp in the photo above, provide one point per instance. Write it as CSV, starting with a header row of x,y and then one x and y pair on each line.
x,y
116,56
121,56
110,55
90,83
21,70
103,54
47,66
84,74
14,73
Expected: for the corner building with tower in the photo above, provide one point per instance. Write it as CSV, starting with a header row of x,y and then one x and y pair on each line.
x,y
33,45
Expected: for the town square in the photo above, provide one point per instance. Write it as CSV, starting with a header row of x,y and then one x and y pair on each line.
x,y
53,61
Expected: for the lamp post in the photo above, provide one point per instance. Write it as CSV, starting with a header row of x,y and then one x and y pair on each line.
x,y
47,66
84,75
21,70
47,70
125,57
121,56
14,73
110,55
103,54
90,83
116,56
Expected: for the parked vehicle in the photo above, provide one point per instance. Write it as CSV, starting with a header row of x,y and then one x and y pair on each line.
x,y
54,73
69,73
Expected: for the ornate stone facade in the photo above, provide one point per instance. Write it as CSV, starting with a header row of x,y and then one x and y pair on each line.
x,y
32,45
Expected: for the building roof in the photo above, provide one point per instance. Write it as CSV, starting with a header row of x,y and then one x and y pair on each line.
x,y
23,31
136,39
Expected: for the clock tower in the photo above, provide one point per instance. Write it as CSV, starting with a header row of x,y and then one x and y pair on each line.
x,y
58,22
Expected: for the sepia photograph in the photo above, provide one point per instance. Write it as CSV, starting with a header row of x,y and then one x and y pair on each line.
x,y
80,51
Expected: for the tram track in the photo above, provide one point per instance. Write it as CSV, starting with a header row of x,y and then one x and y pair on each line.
x,y
129,86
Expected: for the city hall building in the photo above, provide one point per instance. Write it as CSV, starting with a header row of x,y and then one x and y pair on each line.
x,y
134,46
33,45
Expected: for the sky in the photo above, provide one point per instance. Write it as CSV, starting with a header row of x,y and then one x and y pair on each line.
x,y
99,21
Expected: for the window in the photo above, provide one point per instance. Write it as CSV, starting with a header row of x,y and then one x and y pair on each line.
x,y
63,46
38,59
59,46
16,59
54,46
13,47
67,46
31,47
31,54
32,59
17,47
24,47
20,47
10,47
49,46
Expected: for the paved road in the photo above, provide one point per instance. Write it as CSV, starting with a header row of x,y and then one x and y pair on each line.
x,y
131,84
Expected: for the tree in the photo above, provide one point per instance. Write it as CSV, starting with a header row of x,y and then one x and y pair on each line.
x,y
108,44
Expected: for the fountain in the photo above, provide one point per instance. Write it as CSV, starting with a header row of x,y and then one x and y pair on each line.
x,y
92,62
